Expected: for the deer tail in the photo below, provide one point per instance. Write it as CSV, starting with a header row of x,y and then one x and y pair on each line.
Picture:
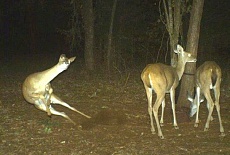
x,y
213,77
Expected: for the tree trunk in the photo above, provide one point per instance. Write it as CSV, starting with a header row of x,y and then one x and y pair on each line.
x,y
109,49
187,82
5,33
88,18
176,29
173,23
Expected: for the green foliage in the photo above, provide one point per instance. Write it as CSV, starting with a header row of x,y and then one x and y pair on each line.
x,y
49,125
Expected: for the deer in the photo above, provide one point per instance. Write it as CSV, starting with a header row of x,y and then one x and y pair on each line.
x,y
163,79
37,90
207,77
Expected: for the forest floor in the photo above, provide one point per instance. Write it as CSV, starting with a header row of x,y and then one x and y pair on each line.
x,y
120,123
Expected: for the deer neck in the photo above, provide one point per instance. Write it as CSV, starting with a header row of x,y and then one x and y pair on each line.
x,y
49,74
180,68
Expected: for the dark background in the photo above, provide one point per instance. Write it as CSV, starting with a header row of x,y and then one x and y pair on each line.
x,y
32,30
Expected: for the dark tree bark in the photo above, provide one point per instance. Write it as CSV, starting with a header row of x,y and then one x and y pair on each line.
x,y
88,19
177,21
5,31
109,49
187,83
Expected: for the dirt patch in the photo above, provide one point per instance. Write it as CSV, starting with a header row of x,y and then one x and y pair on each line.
x,y
104,117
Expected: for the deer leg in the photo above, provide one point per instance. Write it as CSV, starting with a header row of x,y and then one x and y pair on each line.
x,y
211,106
56,100
220,121
160,98
149,98
208,104
39,104
217,104
47,95
55,112
162,112
197,98
44,97
47,104
42,106
172,97
40,100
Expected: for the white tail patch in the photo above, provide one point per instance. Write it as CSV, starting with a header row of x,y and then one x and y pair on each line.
x,y
150,80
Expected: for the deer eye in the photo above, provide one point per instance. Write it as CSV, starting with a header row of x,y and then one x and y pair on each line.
x,y
65,62
189,55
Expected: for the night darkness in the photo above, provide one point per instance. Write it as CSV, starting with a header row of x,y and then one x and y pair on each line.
x,y
33,35
36,29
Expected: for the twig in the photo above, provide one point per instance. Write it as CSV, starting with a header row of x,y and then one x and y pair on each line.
x,y
160,46
126,81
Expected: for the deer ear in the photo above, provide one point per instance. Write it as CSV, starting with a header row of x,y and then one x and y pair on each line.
x,y
62,57
179,49
72,59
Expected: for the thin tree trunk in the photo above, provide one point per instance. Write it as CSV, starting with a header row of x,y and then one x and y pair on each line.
x,y
173,23
171,32
187,83
88,17
5,33
176,28
109,49
177,20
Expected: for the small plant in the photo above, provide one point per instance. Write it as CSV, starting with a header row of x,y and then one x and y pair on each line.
x,y
48,125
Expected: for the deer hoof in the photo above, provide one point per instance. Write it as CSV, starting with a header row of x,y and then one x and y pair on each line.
x,y
222,134
205,129
211,118
196,125
176,127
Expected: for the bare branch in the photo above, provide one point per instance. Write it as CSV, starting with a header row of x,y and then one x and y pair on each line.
x,y
166,15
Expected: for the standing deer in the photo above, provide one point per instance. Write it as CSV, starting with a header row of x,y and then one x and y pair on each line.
x,y
37,89
163,79
208,76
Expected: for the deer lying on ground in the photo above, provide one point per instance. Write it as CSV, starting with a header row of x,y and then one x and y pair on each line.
x,y
208,76
37,89
162,79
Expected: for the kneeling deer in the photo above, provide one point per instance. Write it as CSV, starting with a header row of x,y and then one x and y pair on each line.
x,y
37,89
208,76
